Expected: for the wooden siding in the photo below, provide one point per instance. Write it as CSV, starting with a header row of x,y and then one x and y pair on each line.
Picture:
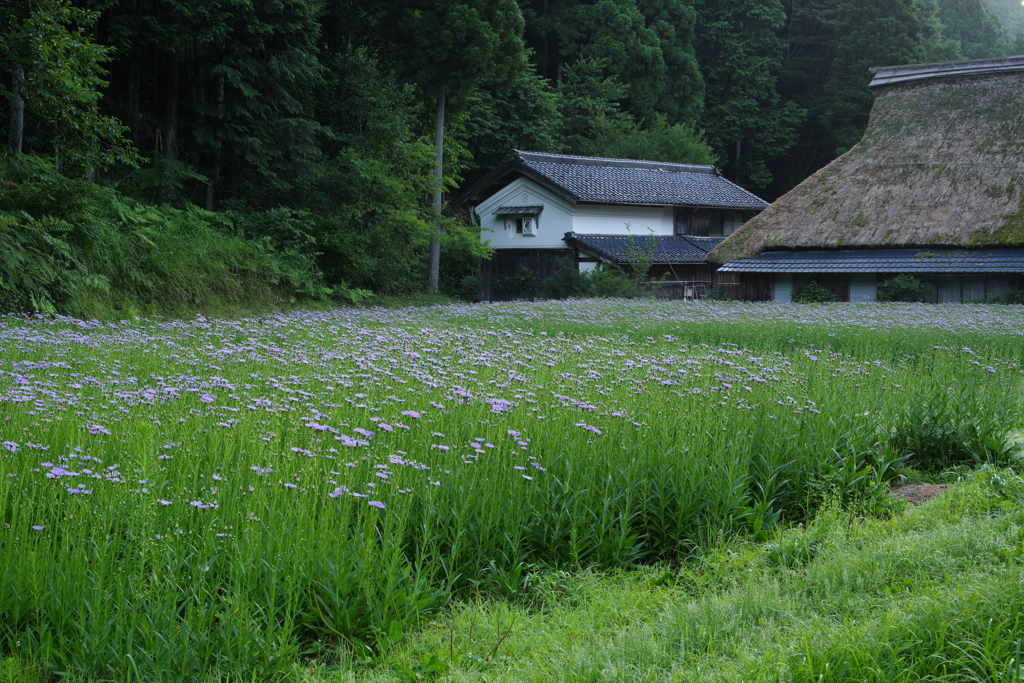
x,y
697,220
681,281
747,286
506,262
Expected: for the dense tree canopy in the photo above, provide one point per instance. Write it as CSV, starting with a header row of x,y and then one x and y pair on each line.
x,y
312,122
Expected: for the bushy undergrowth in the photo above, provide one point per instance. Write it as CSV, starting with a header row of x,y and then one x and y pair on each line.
x,y
568,282
814,293
906,288
68,246
222,498
933,593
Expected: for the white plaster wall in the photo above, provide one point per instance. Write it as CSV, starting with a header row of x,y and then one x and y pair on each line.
x,y
552,223
603,219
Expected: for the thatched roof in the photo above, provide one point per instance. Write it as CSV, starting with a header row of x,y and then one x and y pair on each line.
x,y
941,164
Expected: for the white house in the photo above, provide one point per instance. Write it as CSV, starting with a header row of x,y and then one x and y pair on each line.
x,y
537,209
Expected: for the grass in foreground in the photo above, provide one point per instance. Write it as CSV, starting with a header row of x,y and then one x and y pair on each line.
x,y
221,500
934,593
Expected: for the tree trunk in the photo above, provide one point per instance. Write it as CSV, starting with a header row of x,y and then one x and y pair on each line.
x,y
738,156
215,176
435,238
171,138
17,130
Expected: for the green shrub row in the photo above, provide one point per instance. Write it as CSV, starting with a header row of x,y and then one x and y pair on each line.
x,y
72,247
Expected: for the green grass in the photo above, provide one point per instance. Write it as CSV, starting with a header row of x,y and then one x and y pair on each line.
x,y
211,503
934,593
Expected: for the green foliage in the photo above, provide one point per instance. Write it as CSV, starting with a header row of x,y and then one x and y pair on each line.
x,y
62,77
448,46
469,288
1012,296
747,123
905,288
718,292
970,23
661,142
523,284
499,118
876,33
646,45
568,282
275,575
953,427
588,102
75,248
814,293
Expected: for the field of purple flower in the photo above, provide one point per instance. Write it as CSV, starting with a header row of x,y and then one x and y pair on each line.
x,y
221,497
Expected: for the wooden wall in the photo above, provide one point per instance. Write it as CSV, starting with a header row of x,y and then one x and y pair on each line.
x,y
681,281
747,286
506,262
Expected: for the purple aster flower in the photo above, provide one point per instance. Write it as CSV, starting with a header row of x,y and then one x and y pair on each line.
x,y
376,504
37,527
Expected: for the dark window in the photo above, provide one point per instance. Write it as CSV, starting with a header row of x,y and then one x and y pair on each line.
x,y
682,221
519,226
716,223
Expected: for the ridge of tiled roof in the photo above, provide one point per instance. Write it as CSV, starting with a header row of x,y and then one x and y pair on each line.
x,y
665,248
882,261
631,181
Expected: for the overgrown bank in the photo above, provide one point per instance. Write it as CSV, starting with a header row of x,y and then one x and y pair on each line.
x,y
82,249
929,593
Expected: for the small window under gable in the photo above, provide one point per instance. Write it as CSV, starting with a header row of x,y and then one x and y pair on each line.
x,y
523,225
521,219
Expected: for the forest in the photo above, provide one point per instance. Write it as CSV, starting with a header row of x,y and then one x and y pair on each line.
x,y
162,154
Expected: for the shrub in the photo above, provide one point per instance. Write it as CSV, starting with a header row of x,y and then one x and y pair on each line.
x,y
469,288
719,292
814,293
567,282
613,283
522,285
1013,296
69,246
905,288
952,428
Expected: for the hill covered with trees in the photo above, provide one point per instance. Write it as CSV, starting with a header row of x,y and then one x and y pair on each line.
x,y
306,129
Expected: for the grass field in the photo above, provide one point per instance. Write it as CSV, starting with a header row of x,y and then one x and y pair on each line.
x,y
384,493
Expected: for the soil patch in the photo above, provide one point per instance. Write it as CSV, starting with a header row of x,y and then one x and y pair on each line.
x,y
915,494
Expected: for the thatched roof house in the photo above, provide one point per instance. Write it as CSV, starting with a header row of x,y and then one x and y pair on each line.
x,y
940,168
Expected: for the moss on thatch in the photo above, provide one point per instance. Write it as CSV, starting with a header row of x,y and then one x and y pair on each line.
x,y
941,163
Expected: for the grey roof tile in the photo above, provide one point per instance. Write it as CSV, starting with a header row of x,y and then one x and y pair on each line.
x,y
665,248
508,210
882,261
627,181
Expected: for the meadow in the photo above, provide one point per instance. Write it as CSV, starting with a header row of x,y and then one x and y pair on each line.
x,y
247,499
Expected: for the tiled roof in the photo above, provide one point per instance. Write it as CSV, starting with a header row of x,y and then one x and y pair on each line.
x,y
628,181
889,75
666,248
507,210
883,261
